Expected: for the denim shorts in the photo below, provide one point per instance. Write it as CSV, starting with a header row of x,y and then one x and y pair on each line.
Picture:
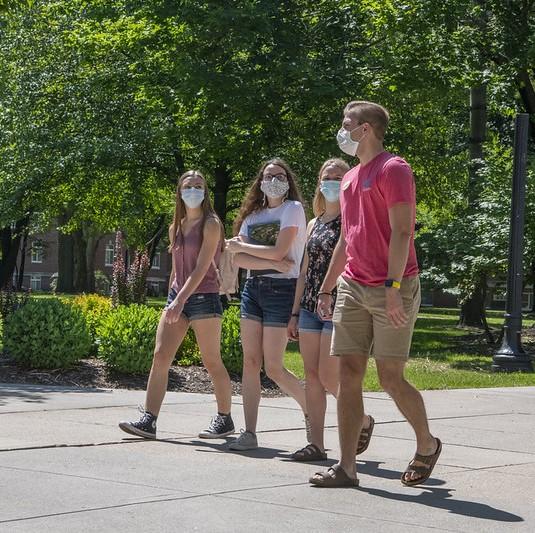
x,y
268,300
200,305
312,323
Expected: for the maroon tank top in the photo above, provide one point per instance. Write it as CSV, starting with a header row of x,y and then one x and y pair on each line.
x,y
185,254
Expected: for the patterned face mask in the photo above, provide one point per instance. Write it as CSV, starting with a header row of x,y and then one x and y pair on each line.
x,y
274,188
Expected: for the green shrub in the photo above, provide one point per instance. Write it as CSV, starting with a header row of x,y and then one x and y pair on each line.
x,y
231,349
47,333
94,308
188,354
127,334
126,338
11,300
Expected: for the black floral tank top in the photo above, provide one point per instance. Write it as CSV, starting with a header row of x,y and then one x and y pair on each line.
x,y
320,248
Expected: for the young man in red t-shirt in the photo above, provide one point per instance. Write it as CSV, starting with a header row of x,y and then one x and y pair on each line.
x,y
376,272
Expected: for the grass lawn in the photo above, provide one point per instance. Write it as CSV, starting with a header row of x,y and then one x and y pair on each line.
x,y
444,356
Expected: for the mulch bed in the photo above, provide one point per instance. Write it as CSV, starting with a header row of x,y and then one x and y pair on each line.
x,y
93,373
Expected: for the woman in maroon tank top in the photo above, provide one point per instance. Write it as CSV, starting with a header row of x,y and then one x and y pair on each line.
x,y
196,238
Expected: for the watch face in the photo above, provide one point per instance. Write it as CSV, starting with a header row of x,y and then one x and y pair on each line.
x,y
388,283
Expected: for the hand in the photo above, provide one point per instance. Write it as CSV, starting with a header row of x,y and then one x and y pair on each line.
x,y
394,308
324,306
173,311
233,245
293,329
284,265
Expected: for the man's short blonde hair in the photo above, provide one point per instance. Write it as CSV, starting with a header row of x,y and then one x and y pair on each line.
x,y
374,114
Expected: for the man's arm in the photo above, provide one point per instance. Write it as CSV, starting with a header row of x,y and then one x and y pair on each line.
x,y
336,267
402,226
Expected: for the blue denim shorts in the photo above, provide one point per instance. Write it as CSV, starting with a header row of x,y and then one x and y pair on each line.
x,y
268,300
199,306
312,323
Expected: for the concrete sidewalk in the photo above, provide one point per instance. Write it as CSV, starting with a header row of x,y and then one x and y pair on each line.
x,y
65,466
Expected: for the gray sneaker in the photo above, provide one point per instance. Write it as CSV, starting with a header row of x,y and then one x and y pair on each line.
x,y
220,426
246,441
144,427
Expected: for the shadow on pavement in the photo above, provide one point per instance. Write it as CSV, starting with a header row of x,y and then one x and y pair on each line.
x,y
442,499
217,446
38,393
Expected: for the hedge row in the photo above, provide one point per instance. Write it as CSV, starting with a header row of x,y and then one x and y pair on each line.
x,y
55,333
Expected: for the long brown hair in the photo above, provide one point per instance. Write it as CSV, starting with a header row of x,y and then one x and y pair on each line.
x,y
254,199
318,204
180,209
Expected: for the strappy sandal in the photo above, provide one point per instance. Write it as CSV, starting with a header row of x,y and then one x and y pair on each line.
x,y
334,477
424,470
309,453
365,437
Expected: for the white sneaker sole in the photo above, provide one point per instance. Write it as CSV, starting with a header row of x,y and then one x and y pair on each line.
x,y
127,427
242,447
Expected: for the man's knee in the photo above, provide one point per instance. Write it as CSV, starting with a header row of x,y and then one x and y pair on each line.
x,y
352,369
390,380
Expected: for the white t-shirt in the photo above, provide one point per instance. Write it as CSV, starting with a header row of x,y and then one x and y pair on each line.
x,y
289,214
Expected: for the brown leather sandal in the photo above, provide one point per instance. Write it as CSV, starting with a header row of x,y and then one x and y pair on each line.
x,y
334,477
309,453
424,470
365,437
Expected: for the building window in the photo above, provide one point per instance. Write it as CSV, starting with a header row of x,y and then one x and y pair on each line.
x,y
37,252
35,282
109,254
500,292
500,295
156,261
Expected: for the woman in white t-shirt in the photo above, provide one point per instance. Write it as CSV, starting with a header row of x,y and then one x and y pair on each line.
x,y
271,226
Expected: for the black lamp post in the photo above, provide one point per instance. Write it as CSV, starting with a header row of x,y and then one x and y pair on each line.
x,y
511,356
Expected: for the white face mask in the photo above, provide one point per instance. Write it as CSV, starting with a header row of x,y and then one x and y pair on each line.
x,y
274,188
192,197
330,190
346,143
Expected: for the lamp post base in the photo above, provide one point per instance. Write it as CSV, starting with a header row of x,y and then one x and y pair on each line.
x,y
512,363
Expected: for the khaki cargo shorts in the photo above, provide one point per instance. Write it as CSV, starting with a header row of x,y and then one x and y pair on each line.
x,y
361,325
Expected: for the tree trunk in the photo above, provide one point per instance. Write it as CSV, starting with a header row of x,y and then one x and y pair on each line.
x,y
22,264
527,93
179,161
10,243
65,258
152,245
91,249
222,184
80,281
473,309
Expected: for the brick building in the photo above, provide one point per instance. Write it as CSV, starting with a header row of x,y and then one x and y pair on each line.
x,y
41,263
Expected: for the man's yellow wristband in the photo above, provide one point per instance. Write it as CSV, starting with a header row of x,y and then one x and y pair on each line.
x,y
392,283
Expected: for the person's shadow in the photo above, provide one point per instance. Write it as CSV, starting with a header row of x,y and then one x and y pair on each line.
x,y
440,498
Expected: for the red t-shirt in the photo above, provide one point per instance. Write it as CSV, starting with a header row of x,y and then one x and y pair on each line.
x,y
366,194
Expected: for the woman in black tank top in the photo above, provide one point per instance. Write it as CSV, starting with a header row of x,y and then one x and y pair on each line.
x,y
313,333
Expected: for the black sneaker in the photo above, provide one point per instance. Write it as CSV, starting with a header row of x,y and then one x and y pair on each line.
x,y
144,427
220,426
